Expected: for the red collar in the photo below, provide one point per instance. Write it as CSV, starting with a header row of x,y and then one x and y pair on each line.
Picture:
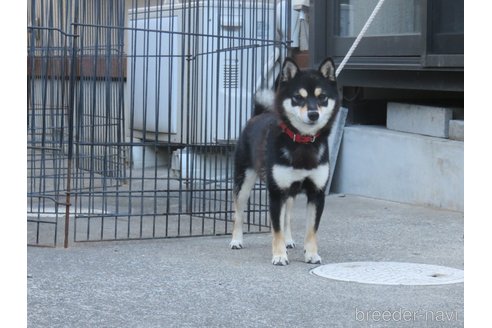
x,y
299,138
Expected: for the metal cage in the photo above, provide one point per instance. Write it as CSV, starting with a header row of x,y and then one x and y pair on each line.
x,y
134,108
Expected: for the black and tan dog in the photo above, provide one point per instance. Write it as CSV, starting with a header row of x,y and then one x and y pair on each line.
x,y
286,145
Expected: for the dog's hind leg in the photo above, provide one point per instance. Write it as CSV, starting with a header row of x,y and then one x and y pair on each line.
x,y
243,184
289,242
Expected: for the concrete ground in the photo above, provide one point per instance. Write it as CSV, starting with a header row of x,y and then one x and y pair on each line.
x,y
200,282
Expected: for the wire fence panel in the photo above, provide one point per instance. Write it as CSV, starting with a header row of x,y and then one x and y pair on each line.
x,y
134,108
48,105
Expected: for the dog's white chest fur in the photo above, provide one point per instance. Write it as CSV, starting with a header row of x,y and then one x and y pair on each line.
x,y
285,176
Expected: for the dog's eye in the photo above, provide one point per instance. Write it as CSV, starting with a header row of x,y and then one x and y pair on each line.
x,y
297,99
322,98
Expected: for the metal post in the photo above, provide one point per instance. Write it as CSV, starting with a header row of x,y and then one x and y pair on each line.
x,y
71,110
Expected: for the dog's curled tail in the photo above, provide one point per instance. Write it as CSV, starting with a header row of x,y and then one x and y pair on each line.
x,y
264,101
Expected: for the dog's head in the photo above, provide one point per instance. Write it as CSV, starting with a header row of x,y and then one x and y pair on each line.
x,y
308,99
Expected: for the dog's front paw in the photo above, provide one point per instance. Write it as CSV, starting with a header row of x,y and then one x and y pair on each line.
x,y
312,258
236,244
280,260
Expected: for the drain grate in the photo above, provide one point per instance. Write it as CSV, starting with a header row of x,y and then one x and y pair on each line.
x,y
390,273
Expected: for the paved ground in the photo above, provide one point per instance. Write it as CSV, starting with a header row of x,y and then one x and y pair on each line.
x,y
200,282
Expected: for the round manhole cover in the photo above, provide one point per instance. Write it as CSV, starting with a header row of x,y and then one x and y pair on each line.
x,y
390,273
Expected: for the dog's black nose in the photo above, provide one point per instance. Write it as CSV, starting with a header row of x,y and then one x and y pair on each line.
x,y
313,115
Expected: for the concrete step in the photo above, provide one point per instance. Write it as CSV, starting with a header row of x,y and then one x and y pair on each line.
x,y
426,120
457,130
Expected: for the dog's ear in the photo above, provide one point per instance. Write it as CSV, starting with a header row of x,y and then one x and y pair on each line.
x,y
289,70
327,69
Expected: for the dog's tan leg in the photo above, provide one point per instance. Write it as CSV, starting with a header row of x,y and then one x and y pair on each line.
x,y
310,240
279,250
289,242
240,203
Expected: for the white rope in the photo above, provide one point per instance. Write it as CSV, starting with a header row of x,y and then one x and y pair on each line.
x,y
359,37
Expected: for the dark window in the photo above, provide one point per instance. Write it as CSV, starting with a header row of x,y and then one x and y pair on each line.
x,y
446,27
396,17
395,31
411,44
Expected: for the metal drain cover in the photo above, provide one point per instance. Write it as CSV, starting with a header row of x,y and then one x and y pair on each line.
x,y
390,273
